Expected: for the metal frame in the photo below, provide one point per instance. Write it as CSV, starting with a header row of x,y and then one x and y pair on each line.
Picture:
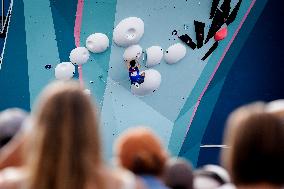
x,y
4,20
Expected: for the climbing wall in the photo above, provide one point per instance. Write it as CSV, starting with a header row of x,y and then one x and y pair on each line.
x,y
52,28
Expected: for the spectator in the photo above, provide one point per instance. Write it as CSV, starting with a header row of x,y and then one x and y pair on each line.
x,y
178,174
64,150
10,123
140,151
210,177
256,153
11,136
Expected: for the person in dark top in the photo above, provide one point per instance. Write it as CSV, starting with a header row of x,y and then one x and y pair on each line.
x,y
11,121
134,74
141,151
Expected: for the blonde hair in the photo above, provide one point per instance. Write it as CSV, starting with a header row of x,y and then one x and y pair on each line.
x,y
66,149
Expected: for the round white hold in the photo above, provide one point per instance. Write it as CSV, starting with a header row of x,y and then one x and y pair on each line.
x,y
133,52
151,83
154,55
79,55
64,71
128,32
97,43
175,53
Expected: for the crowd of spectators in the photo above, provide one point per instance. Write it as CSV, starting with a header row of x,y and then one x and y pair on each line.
x,y
58,146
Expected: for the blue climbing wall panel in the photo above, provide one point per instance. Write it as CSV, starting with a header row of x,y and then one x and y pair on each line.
x,y
47,29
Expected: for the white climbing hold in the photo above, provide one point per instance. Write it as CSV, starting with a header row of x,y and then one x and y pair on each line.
x,y
151,83
133,52
128,32
97,43
154,55
79,55
175,53
64,71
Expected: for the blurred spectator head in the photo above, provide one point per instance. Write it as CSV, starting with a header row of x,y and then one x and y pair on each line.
x,y
65,146
178,174
11,121
140,150
210,177
256,142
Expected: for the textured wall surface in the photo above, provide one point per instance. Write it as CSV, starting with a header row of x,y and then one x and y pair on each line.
x,y
44,32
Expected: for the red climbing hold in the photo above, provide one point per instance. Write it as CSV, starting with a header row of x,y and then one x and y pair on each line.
x,y
221,34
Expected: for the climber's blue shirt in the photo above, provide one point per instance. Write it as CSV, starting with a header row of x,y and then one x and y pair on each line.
x,y
135,76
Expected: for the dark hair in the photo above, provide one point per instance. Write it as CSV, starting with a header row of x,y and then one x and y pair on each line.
x,y
145,163
256,153
132,63
5,140
178,174
11,121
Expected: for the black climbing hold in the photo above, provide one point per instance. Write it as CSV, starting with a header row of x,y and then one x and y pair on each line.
x,y
48,66
187,40
226,8
217,23
213,8
174,32
211,50
234,13
199,30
